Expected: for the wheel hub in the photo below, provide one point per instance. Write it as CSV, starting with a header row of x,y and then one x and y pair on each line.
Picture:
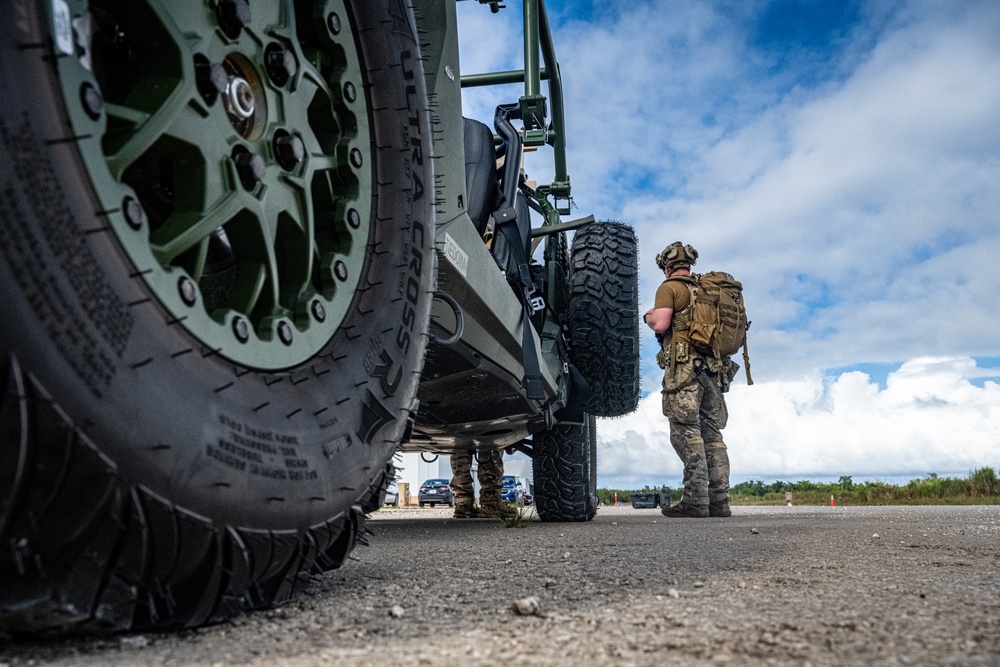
x,y
244,96
239,98
233,159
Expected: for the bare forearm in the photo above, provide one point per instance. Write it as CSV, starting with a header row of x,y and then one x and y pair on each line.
x,y
658,319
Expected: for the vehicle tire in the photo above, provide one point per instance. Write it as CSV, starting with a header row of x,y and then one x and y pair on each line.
x,y
378,499
202,385
603,316
592,501
451,503
564,461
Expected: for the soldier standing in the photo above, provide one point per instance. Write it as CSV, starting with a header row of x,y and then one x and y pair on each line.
x,y
693,388
490,474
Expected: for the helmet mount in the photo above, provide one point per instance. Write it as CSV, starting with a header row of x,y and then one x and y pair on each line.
x,y
677,255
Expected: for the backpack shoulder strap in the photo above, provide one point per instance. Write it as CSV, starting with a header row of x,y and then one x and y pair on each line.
x,y
691,281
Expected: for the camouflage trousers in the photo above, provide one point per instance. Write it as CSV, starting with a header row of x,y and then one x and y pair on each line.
x,y
490,474
693,401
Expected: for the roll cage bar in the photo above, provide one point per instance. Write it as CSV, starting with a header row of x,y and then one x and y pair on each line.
x,y
532,110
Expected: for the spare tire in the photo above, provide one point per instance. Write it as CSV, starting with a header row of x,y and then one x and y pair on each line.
x,y
216,269
603,316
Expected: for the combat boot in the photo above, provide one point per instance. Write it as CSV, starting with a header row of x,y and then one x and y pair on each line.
x,y
465,508
721,510
683,510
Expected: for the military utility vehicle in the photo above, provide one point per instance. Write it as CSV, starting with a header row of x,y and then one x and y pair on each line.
x,y
248,250
651,499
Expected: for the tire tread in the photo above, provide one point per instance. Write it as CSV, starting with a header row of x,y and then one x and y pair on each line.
x,y
562,469
84,552
603,316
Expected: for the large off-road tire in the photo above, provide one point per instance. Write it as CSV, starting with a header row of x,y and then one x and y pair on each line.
x,y
604,316
213,326
377,499
564,464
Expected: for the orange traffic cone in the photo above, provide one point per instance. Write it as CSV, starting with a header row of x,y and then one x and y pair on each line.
x,y
832,504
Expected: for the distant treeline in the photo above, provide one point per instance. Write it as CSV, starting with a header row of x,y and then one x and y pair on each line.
x,y
981,487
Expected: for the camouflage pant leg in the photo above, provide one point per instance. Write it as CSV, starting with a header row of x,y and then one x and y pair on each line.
x,y
713,416
712,411
717,459
490,476
461,480
691,450
682,397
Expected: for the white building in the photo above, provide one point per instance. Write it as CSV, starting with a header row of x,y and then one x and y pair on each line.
x,y
414,469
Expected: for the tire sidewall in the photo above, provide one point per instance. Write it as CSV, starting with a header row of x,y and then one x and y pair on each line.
x,y
259,450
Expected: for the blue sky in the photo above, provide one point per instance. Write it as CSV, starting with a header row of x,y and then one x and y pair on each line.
x,y
843,161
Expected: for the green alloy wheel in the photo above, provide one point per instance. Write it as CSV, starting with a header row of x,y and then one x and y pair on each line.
x,y
216,270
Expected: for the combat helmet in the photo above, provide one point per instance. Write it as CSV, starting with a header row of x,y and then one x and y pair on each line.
x,y
677,255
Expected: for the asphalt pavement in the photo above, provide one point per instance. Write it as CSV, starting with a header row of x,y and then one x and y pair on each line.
x,y
769,585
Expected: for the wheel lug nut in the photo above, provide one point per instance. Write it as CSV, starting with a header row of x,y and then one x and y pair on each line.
x,y
350,93
93,104
318,311
189,294
285,333
133,212
210,78
333,23
353,218
288,149
241,329
280,64
249,166
340,270
356,158
233,16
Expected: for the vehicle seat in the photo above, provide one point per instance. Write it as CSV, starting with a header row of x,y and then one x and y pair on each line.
x,y
483,192
481,186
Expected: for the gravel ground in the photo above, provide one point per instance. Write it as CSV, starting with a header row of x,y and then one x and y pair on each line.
x,y
770,585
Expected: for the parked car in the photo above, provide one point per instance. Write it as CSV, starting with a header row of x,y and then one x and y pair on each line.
x,y
528,498
649,500
513,490
435,491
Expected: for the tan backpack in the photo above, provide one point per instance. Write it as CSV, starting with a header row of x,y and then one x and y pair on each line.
x,y
718,324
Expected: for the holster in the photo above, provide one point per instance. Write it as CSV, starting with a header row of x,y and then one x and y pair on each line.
x,y
676,353
729,370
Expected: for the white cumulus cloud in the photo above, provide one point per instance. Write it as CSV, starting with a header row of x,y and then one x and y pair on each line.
x,y
929,418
